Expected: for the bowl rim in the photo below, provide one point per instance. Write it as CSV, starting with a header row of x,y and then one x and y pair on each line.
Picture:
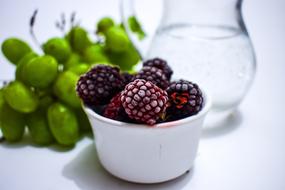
x,y
114,123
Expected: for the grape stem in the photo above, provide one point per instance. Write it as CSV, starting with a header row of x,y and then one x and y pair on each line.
x,y
61,23
32,23
72,19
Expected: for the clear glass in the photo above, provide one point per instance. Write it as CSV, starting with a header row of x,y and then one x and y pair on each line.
x,y
205,41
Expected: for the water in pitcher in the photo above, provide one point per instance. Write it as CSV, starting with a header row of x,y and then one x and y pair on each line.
x,y
220,59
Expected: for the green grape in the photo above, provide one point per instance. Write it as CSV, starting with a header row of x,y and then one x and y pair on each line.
x,y
64,89
117,39
38,127
21,63
79,69
2,100
104,24
94,54
136,27
40,72
126,60
58,48
20,97
73,60
84,124
78,39
134,24
43,92
14,49
94,64
12,123
45,101
63,124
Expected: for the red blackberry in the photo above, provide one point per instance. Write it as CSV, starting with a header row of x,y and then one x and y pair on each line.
x,y
160,64
115,110
99,85
154,75
185,99
144,101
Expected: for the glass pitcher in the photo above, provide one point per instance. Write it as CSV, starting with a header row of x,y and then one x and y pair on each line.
x,y
204,41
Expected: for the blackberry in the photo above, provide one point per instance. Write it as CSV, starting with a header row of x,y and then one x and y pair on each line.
x,y
160,64
144,102
154,75
185,99
115,110
127,78
99,85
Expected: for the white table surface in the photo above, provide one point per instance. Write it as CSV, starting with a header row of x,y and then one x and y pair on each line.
x,y
246,153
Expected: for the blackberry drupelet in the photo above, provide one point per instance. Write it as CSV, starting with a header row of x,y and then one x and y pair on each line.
x,y
144,102
127,78
154,75
160,64
185,99
99,85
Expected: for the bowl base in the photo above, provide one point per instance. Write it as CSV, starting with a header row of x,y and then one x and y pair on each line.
x,y
148,182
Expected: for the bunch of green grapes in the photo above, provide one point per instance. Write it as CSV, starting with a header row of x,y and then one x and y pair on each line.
x,y
42,99
117,46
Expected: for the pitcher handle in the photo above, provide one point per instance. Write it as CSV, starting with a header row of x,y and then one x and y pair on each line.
x,y
127,10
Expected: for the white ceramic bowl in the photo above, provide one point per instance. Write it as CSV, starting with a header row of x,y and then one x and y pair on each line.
x,y
144,154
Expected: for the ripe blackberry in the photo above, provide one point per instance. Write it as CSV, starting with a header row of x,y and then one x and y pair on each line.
x,y
127,78
115,110
143,101
160,64
99,85
154,75
185,99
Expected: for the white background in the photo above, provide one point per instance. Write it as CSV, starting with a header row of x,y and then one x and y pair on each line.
x,y
246,153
